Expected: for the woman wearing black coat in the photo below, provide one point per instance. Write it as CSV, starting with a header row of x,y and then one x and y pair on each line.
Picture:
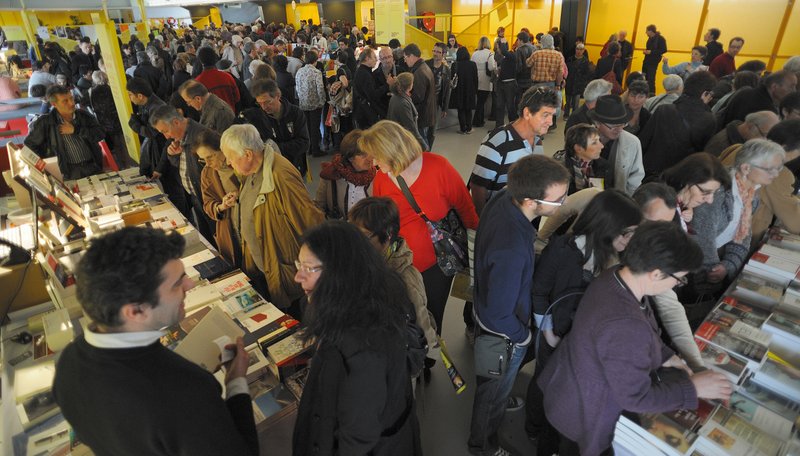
x,y
610,62
358,398
465,92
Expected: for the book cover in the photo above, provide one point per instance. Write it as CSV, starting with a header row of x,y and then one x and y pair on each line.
x,y
277,330
773,401
785,240
742,311
37,408
783,379
213,268
235,283
243,302
283,351
785,269
31,380
201,295
790,303
297,382
667,431
785,326
260,316
198,346
722,361
736,425
760,416
718,332
257,363
760,291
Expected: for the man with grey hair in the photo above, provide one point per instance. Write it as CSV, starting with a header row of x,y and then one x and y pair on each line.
x,y
594,90
183,132
793,65
273,211
547,69
673,84
756,125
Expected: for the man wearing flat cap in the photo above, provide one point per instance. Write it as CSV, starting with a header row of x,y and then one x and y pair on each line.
x,y
622,149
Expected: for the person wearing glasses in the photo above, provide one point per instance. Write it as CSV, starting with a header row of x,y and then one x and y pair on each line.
x,y
613,359
755,125
620,148
358,397
723,228
677,130
274,209
779,198
504,271
696,180
566,267
279,120
219,186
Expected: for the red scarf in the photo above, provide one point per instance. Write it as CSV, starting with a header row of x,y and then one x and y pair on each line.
x,y
338,168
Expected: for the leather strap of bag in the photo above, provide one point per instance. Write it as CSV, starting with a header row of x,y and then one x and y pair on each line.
x,y
410,198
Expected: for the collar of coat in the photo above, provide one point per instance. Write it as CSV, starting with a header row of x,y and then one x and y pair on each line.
x,y
267,177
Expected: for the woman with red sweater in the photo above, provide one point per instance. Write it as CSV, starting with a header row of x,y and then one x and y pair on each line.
x,y
436,186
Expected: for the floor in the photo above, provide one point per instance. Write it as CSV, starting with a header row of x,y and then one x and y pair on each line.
x,y
445,416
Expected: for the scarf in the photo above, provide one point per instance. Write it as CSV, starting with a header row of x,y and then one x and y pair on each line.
x,y
746,193
339,168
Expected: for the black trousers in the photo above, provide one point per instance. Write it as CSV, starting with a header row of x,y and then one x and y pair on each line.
x,y
650,70
536,424
437,289
480,108
314,118
465,119
506,103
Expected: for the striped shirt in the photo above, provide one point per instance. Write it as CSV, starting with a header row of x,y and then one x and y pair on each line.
x,y
500,149
75,148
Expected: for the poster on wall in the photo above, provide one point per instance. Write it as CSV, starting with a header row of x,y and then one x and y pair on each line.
x,y
389,21
43,32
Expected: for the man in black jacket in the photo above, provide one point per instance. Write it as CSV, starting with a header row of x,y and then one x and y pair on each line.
x,y
84,57
121,390
278,120
153,161
655,49
712,45
70,134
154,76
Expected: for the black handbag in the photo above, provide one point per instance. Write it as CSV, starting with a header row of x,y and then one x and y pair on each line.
x,y
416,346
448,235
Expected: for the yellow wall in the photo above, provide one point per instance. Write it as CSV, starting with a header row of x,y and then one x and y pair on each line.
x,y
303,11
64,17
758,22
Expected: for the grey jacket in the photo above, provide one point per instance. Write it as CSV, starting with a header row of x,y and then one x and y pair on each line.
x,y
402,111
708,222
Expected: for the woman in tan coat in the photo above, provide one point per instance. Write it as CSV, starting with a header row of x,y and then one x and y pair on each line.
x,y
220,188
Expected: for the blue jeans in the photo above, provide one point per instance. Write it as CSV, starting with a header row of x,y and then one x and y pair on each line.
x,y
489,406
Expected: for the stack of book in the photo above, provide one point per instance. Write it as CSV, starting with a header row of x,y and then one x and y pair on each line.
x,y
753,337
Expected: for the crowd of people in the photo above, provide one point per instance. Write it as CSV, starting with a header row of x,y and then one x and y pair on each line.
x,y
652,205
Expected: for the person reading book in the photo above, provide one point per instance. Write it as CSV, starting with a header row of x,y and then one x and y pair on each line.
x,y
121,390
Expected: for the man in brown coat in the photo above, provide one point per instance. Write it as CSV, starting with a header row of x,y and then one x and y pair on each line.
x,y
273,211
424,92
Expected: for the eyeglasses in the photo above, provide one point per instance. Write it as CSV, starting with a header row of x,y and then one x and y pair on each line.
x,y
628,232
558,203
704,191
682,281
614,127
307,269
773,170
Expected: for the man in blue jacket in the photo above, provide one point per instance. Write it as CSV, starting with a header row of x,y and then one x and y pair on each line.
x,y
504,258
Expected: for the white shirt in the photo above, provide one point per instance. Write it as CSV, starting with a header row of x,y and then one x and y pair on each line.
x,y
144,338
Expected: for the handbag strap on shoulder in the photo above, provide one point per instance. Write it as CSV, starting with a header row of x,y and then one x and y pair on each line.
x,y
410,198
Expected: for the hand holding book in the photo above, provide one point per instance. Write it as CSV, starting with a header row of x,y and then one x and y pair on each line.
x,y
237,367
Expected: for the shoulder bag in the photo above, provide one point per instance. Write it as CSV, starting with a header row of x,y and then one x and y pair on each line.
x,y
448,235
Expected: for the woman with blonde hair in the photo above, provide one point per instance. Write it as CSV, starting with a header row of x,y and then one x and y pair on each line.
x,y
487,68
402,109
435,186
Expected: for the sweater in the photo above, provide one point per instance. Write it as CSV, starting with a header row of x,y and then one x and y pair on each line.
x,y
149,400
504,262
438,189
606,364
220,84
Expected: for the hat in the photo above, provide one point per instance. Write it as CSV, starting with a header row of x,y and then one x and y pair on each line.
x,y
610,110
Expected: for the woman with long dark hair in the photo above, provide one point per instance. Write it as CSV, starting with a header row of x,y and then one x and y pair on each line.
x,y
567,265
358,397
